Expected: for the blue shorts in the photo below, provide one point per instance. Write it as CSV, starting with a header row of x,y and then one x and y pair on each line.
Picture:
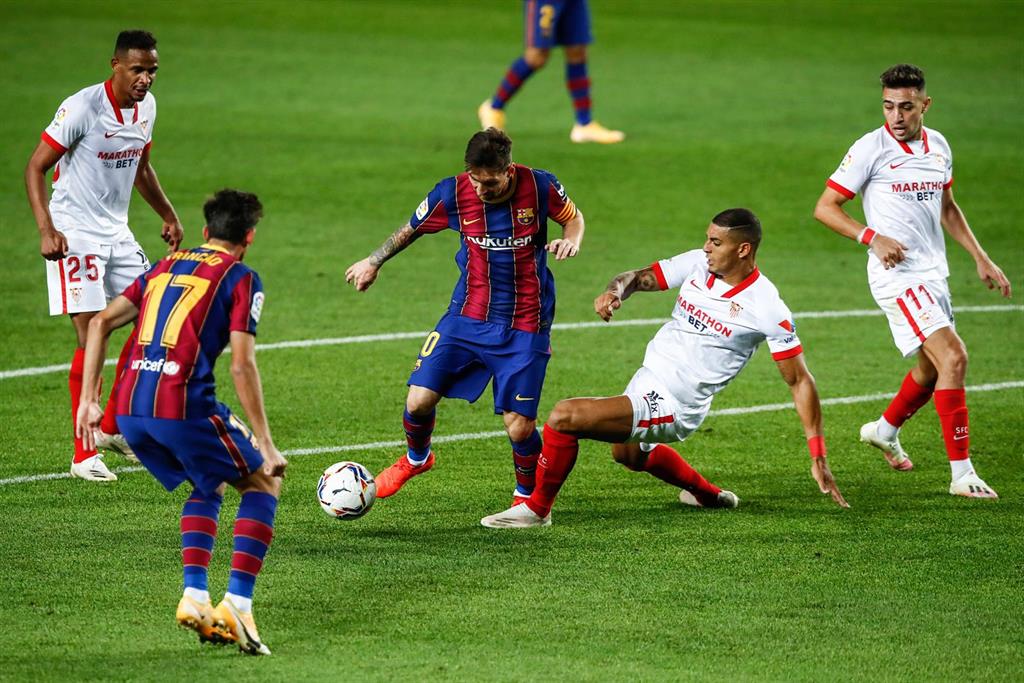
x,y
557,22
462,354
207,451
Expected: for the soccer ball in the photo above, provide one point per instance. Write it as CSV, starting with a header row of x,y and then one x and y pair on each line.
x,y
346,490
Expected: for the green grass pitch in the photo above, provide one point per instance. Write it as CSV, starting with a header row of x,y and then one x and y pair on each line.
x,y
341,116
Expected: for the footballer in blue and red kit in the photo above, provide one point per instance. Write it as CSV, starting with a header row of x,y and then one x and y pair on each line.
x,y
498,323
189,303
187,309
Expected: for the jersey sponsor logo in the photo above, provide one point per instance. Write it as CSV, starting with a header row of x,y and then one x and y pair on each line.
x,y
421,210
923,191
524,216
256,310
170,367
701,321
500,243
123,154
894,166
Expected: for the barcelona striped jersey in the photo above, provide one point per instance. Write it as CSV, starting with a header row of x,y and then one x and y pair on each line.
x,y
189,303
505,278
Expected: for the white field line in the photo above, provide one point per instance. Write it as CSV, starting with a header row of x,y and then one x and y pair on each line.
x,y
475,436
393,336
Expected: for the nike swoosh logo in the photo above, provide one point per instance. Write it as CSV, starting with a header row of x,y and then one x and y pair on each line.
x,y
694,284
110,135
960,438
465,222
523,398
898,165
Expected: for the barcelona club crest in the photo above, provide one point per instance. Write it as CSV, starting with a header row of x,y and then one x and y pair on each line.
x,y
524,216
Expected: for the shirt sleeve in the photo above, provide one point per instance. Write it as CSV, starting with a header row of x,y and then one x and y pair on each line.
x,y
246,304
780,332
948,179
855,169
135,291
432,213
671,272
70,123
561,209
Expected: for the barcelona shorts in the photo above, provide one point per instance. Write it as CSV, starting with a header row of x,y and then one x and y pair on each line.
x,y
462,355
556,22
207,451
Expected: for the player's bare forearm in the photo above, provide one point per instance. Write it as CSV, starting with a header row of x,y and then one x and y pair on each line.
x,y
955,223
805,393
148,185
622,287
248,385
829,211
396,242
52,244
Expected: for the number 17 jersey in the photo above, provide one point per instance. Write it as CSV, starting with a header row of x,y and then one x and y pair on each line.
x,y
189,303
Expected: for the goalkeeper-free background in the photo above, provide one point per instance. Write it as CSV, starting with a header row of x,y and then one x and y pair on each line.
x,y
341,116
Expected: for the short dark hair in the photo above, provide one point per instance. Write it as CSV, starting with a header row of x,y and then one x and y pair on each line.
x,y
136,39
903,76
490,149
231,214
743,222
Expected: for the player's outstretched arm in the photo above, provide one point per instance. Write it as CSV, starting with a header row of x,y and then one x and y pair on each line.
x,y
52,243
622,287
250,394
362,274
148,186
572,238
805,396
955,223
830,212
118,313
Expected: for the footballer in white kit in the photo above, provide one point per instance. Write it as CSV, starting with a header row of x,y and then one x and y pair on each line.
x,y
98,145
904,172
725,308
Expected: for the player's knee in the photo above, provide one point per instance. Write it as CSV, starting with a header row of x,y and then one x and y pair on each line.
x,y
536,57
631,458
567,416
520,429
420,402
576,54
259,481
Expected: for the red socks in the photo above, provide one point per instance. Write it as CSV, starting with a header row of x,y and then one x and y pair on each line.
x,y
665,464
556,462
908,401
75,387
109,422
951,405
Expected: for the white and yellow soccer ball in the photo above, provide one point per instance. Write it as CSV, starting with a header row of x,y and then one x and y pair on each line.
x,y
346,490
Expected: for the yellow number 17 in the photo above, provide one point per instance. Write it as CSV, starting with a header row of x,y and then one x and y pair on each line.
x,y
195,287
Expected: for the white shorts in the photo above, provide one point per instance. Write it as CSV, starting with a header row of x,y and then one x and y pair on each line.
x,y
657,416
92,274
916,309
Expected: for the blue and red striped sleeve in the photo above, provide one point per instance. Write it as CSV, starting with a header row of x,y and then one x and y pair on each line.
x,y
561,209
246,303
432,213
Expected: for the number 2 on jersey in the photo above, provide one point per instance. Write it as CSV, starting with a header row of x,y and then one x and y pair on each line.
x,y
194,288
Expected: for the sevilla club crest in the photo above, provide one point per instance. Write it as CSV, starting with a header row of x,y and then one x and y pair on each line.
x,y
524,216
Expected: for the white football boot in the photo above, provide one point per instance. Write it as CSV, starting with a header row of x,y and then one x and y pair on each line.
x,y
894,453
726,499
595,132
92,469
970,485
117,444
516,517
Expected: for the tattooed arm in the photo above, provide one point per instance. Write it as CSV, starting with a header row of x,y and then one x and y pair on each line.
x,y
622,287
362,274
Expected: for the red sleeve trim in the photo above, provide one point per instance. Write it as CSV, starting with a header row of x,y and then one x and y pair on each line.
x,y
949,184
660,275
45,137
788,353
840,189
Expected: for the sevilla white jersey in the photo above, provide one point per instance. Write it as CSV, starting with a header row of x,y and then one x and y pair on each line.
x,y
102,145
902,186
715,328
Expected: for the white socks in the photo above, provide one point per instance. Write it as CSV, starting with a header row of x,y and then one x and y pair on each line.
x,y
243,604
885,430
960,467
197,595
